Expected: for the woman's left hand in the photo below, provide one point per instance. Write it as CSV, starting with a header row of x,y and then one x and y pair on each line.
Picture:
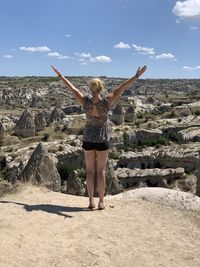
x,y
140,71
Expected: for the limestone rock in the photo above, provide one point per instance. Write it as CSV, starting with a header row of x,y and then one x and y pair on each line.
x,y
41,169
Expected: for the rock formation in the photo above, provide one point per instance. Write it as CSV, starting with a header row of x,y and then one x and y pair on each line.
x,y
118,115
41,169
1,131
40,121
25,127
57,115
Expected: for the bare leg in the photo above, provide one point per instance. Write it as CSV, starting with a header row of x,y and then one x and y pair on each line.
x,y
102,157
90,160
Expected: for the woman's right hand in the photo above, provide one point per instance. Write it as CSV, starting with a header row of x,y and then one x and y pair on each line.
x,y
56,71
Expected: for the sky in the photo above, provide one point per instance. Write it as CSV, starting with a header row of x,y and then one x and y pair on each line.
x,y
100,38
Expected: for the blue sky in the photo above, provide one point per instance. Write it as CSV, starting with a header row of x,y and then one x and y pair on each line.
x,y
100,37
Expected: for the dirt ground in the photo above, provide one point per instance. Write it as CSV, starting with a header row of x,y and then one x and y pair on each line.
x,y
42,228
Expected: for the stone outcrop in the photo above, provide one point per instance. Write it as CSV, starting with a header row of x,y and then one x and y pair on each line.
x,y
25,127
41,169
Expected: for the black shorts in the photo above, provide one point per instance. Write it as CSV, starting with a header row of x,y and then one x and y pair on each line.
x,y
96,146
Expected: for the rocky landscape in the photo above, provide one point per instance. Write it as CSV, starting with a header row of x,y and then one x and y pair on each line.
x,y
156,135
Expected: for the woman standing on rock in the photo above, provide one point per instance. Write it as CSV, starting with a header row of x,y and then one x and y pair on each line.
x,y
97,133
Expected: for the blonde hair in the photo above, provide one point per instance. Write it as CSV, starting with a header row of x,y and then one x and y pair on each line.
x,y
96,85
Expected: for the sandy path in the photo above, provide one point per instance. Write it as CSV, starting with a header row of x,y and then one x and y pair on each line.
x,y
43,228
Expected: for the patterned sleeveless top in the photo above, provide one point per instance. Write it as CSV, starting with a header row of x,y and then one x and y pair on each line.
x,y
97,129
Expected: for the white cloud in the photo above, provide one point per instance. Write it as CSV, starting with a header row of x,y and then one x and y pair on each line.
x,y
144,50
8,56
41,49
57,55
122,45
85,58
187,9
83,55
101,59
166,56
177,21
193,28
53,54
191,68
67,35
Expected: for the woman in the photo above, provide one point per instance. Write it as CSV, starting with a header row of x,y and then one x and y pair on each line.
x,y
96,132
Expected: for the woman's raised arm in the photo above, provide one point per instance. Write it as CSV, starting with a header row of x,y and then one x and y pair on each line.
x,y
78,95
112,97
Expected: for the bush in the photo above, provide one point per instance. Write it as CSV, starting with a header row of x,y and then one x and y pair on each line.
x,y
64,171
46,137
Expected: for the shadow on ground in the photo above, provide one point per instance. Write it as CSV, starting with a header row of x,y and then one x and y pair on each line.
x,y
55,209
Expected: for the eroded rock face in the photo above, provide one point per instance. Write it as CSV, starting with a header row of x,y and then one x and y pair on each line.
x,y
41,169
25,127
163,158
191,134
150,177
